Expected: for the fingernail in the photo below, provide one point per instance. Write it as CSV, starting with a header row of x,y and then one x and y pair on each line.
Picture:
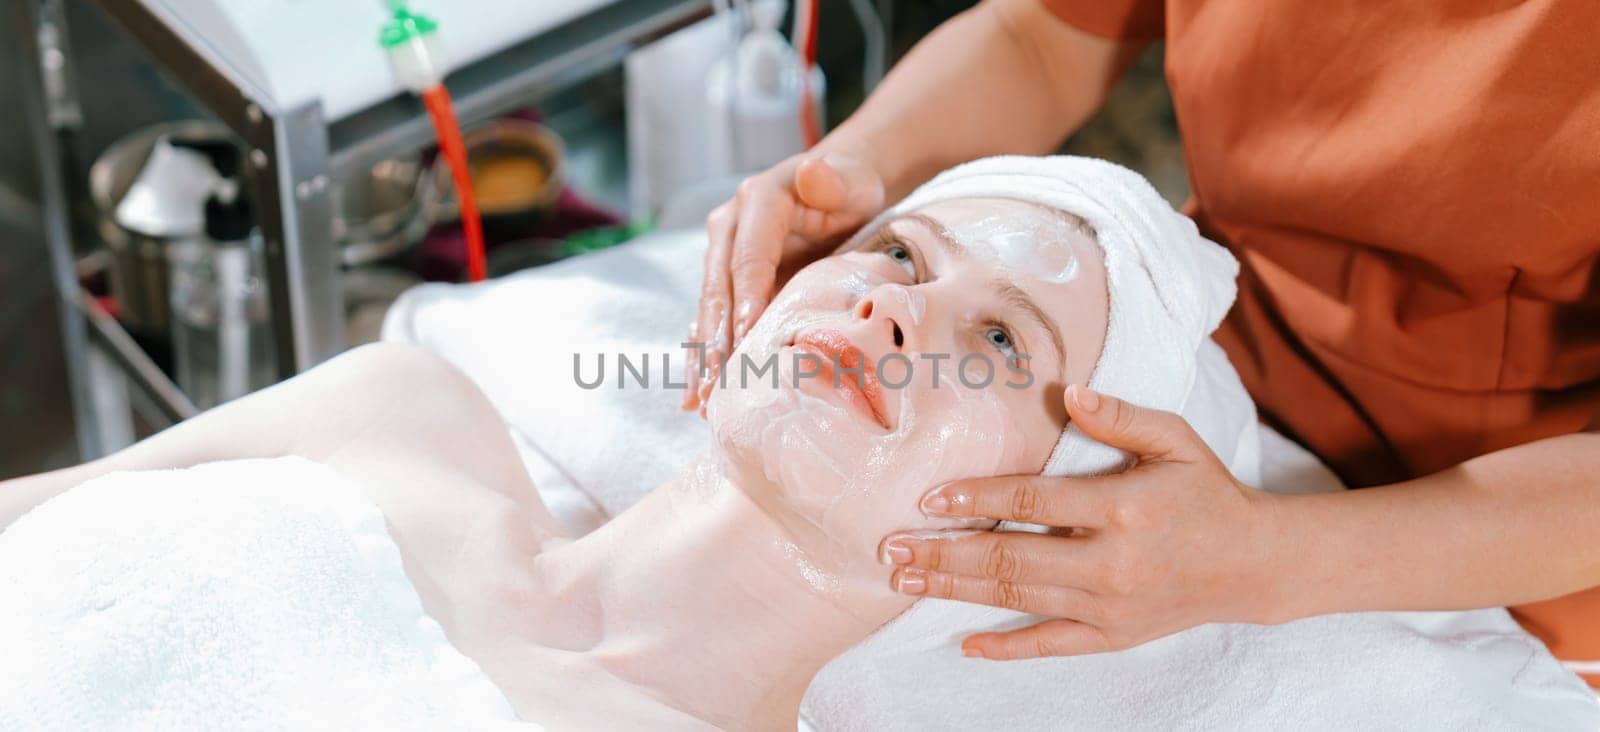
x,y
935,503
897,552
910,582
971,652
744,317
1088,401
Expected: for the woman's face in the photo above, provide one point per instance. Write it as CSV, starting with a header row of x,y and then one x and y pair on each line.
x,y
937,349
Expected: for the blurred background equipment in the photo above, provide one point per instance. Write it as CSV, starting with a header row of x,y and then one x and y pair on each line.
x,y
137,217
125,307
314,103
219,327
411,40
518,169
385,211
765,96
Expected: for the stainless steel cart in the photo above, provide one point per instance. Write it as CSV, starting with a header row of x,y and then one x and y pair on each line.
x,y
294,154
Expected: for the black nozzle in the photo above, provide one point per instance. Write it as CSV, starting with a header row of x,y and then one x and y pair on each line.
x,y
229,220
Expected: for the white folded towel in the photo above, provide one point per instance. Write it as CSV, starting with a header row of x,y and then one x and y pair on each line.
x,y
253,594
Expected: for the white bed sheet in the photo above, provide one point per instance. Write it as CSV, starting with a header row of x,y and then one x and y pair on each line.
x,y
594,452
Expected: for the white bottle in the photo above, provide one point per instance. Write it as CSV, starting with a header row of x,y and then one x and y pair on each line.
x,y
756,96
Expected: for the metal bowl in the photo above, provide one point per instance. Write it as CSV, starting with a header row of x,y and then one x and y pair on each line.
x,y
515,138
384,212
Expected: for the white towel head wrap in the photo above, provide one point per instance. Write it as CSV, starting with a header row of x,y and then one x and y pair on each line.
x,y
1169,287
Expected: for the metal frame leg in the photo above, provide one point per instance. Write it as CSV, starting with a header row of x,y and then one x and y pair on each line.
x,y
113,407
293,192
47,103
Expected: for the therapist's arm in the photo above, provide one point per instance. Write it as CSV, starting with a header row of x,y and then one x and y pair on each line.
x,y
1176,541
1003,77
1513,526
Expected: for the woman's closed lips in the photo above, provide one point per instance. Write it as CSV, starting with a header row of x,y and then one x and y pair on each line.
x,y
860,389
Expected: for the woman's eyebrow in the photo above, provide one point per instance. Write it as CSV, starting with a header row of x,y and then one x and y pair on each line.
x,y
1018,298
940,233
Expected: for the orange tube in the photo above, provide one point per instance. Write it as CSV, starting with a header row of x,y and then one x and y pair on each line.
x,y
808,57
437,100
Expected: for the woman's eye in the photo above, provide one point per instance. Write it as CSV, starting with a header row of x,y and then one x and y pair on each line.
x,y
1002,342
902,257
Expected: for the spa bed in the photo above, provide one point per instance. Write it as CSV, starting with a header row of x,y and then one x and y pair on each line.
x,y
593,452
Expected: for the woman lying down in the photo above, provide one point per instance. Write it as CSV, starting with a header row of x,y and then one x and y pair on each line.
x,y
263,587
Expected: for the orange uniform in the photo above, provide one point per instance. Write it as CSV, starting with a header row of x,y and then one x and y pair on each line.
x,y
1413,192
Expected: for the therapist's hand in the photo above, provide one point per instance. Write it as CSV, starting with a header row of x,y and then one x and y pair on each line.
x,y
780,220
1173,542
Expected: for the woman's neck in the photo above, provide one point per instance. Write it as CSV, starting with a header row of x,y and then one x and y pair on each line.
x,y
708,600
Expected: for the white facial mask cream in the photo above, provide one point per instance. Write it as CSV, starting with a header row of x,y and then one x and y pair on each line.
x,y
1031,242
915,304
832,470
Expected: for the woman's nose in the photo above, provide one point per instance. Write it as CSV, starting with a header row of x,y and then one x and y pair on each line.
x,y
892,311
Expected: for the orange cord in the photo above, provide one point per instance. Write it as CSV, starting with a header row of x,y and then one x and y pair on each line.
x,y
437,100
807,45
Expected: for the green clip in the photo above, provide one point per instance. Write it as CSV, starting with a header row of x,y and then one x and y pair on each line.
x,y
405,27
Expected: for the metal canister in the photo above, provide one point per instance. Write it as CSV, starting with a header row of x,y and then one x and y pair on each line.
x,y
139,278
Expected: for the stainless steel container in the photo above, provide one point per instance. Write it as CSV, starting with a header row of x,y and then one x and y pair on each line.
x,y
384,212
138,262
378,215
221,330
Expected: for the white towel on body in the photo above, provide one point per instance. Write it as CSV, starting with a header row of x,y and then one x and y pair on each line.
x,y
248,594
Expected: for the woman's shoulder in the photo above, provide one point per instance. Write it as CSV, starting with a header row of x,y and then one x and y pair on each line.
x,y
431,451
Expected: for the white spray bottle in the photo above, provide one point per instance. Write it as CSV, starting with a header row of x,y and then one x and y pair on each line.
x,y
756,95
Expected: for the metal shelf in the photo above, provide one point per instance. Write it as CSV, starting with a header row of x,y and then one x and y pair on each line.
x,y
294,154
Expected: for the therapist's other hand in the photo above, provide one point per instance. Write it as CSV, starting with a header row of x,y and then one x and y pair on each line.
x,y
1173,542
780,220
